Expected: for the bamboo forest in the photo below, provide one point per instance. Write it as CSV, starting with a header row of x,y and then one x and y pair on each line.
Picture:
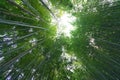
x,y
59,39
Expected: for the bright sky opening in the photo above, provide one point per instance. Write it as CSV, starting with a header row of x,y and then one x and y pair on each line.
x,y
64,24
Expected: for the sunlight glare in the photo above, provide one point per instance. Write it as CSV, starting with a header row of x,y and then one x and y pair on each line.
x,y
65,24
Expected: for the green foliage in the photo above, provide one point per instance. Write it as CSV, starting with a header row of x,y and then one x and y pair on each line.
x,y
62,4
95,40
30,50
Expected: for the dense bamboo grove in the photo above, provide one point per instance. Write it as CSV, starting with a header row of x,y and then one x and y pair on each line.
x,y
30,50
